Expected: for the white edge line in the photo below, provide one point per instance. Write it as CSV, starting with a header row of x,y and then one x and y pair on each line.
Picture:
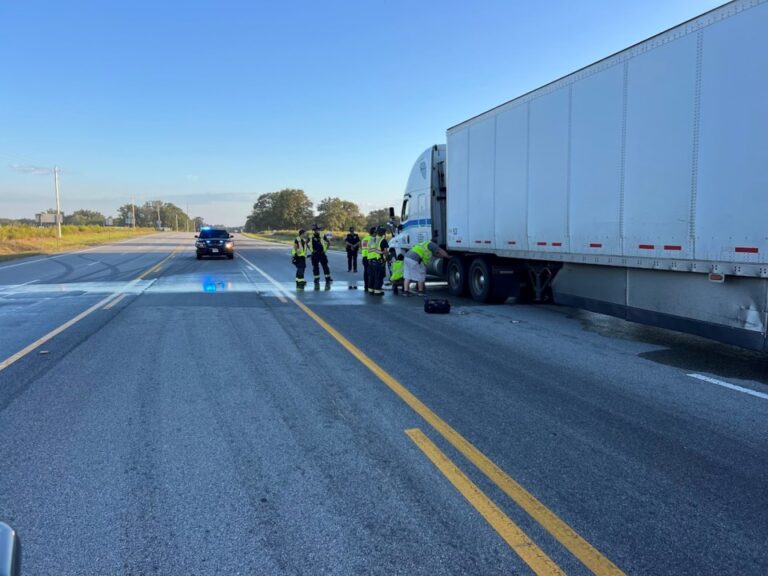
x,y
116,301
55,332
271,280
729,385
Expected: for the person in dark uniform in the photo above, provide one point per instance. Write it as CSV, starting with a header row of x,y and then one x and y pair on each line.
x,y
319,248
353,246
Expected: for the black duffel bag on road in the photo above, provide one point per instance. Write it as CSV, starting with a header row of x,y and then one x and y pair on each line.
x,y
435,306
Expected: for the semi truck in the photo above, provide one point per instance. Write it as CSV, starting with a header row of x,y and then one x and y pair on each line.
x,y
635,187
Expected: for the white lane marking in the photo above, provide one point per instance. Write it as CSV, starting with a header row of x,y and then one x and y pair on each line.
x,y
93,263
729,385
115,301
282,294
48,258
55,332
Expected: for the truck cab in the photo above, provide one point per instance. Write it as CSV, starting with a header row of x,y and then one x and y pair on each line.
x,y
422,215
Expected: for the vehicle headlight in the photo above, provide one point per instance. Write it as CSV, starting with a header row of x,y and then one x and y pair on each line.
x,y
229,244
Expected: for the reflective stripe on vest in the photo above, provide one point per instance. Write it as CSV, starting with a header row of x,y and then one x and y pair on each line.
x,y
423,251
397,270
364,245
374,248
302,251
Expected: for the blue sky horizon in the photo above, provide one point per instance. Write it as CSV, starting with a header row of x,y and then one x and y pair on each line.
x,y
212,104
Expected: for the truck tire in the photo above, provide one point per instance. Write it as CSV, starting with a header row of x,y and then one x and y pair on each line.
x,y
457,277
199,257
480,280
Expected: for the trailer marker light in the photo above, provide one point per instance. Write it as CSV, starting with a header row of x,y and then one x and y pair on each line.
x,y
646,246
747,249
670,247
486,241
595,245
541,243
716,277
557,243
511,242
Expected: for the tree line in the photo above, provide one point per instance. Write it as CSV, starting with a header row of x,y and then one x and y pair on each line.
x,y
291,209
147,216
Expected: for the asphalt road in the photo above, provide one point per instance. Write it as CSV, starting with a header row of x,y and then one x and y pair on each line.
x,y
202,417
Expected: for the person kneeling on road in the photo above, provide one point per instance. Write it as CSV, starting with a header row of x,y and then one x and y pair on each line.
x,y
319,248
416,261
396,278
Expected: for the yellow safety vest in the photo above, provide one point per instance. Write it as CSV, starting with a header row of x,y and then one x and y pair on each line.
x,y
374,248
364,244
302,251
397,270
423,251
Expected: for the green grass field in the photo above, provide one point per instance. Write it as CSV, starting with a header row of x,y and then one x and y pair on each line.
x,y
287,237
20,241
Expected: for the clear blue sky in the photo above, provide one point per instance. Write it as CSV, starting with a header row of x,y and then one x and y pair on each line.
x,y
213,103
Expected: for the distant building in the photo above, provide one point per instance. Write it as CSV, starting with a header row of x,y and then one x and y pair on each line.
x,y
47,219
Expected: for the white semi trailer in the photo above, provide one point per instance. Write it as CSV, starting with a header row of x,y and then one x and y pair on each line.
x,y
636,187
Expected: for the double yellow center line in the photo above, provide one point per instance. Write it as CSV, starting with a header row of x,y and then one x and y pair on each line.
x,y
562,532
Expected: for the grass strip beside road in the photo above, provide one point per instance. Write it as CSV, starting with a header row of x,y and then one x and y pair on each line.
x,y
513,535
285,237
25,241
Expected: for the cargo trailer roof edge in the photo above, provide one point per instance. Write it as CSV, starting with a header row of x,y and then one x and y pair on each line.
x,y
716,13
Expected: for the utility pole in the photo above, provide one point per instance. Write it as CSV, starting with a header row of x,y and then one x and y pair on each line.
x,y
58,202
159,222
133,213
177,222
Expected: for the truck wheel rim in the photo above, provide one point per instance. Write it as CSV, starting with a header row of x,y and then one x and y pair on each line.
x,y
455,278
478,282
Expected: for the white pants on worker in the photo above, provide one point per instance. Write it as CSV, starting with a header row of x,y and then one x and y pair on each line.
x,y
414,272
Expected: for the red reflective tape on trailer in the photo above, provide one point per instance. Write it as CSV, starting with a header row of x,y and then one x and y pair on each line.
x,y
670,247
486,241
541,243
511,242
458,241
557,243
747,249
478,241
595,245
646,246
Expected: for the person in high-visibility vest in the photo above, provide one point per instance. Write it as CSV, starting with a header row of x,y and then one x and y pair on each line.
x,y
396,277
299,256
319,248
416,261
377,249
364,245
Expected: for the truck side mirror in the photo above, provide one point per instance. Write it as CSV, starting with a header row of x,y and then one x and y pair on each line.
x,y
391,213
231,235
10,551
196,236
